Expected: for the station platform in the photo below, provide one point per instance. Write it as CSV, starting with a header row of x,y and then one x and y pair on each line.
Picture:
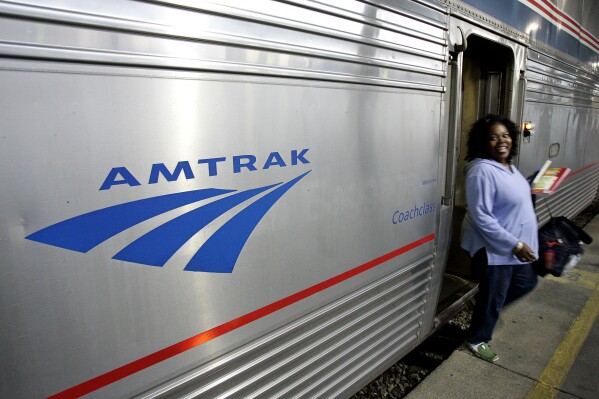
x,y
547,342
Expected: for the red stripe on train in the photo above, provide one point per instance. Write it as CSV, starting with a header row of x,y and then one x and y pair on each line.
x,y
197,340
582,169
564,19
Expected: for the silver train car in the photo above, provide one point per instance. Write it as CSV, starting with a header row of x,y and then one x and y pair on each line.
x,y
259,199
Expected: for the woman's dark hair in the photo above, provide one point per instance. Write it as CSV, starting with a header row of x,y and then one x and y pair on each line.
x,y
478,137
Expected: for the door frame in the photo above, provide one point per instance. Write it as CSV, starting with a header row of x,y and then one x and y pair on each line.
x,y
460,30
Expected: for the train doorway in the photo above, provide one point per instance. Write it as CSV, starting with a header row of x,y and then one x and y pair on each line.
x,y
487,68
486,87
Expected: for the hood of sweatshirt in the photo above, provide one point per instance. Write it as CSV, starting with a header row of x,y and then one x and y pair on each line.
x,y
478,161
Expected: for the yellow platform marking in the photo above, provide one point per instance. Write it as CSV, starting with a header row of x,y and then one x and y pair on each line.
x,y
578,277
563,358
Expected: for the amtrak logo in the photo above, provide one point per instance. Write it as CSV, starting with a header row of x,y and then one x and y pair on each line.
x,y
217,255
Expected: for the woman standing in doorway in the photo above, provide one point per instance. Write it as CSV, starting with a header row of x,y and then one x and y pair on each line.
x,y
500,228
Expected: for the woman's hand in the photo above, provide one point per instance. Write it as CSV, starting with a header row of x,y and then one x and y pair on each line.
x,y
524,253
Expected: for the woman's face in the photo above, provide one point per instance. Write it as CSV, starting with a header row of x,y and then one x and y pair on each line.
x,y
499,143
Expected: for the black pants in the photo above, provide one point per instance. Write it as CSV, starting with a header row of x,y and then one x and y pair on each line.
x,y
499,286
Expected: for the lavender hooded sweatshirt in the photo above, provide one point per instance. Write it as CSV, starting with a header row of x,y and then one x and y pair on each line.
x,y
499,212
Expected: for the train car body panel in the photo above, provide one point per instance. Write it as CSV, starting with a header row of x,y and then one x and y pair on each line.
x,y
195,195
251,199
309,217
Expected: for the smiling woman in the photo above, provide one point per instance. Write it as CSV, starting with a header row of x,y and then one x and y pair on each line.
x,y
500,143
490,133
500,228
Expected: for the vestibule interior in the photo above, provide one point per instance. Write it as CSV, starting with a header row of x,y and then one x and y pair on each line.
x,y
487,73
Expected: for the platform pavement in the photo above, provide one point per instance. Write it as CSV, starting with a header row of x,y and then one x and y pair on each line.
x,y
547,342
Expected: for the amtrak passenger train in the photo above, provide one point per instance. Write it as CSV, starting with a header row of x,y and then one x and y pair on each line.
x,y
256,198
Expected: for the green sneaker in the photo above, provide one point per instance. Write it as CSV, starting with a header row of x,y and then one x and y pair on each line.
x,y
483,351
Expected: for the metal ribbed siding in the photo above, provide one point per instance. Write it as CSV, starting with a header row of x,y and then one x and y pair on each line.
x,y
560,91
551,81
342,41
310,357
572,197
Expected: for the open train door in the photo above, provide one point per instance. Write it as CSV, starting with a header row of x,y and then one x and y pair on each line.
x,y
485,75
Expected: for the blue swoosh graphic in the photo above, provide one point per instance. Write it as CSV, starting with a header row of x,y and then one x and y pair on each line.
x,y
220,252
82,233
156,247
